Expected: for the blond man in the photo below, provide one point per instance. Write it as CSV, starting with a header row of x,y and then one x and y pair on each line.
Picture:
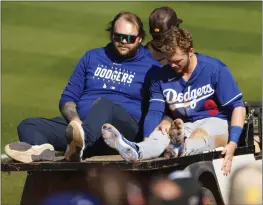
x,y
205,105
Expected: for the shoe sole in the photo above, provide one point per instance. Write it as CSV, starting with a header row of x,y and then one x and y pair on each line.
x,y
112,137
27,153
170,152
75,140
176,131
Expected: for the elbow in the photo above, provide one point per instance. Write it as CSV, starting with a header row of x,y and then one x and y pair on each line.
x,y
240,109
64,99
239,113
244,111
62,102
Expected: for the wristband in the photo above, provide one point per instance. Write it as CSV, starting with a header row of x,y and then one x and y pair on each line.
x,y
235,133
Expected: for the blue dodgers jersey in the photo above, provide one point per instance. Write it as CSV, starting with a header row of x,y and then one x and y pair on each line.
x,y
211,91
100,74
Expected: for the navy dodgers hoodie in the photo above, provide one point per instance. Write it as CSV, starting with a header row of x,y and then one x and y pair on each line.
x,y
99,73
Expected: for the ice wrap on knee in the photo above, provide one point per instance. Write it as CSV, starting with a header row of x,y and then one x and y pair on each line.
x,y
197,146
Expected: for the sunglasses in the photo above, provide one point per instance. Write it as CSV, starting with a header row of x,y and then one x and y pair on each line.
x,y
119,37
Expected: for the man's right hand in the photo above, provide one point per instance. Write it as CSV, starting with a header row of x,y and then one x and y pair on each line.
x,y
76,119
164,126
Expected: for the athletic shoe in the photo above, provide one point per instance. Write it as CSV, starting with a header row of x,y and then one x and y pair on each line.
x,y
176,135
113,138
26,153
173,151
176,132
76,141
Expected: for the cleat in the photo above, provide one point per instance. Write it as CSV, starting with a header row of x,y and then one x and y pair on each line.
x,y
113,138
76,142
176,132
173,151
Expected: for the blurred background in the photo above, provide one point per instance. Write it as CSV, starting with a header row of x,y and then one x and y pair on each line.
x,y
43,41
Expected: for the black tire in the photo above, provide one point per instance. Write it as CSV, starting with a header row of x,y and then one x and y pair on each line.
x,y
208,197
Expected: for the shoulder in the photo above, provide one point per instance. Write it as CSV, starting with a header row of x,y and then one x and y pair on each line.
x,y
164,74
149,57
94,54
211,63
95,51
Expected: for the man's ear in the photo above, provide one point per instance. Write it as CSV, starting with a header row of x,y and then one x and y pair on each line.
x,y
140,39
191,52
111,38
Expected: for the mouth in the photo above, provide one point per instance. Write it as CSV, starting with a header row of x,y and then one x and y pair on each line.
x,y
122,47
179,70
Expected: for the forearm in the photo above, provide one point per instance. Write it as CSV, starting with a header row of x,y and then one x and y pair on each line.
x,y
238,116
166,119
237,123
69,112
152,120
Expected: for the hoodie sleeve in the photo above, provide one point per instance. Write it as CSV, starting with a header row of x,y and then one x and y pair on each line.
x,y
227,91
75,86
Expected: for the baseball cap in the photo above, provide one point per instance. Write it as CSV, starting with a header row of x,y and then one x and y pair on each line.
x,y
71,198
162,19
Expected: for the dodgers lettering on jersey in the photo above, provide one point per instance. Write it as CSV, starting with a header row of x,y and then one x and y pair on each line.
x,y
100,74
114,74
190,98
210,91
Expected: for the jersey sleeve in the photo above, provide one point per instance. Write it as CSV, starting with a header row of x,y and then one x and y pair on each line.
x,y
157,101
227,91
156,108
152,120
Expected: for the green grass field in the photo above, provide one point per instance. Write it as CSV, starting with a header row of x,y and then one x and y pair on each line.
x,y
42,42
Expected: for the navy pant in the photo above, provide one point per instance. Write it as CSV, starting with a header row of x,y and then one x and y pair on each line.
x,y
38,131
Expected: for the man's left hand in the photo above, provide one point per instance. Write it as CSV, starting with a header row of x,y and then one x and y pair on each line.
x,y
229,154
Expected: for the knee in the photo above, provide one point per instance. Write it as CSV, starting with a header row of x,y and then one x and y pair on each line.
x,y
221,140
101,100
199,133
25,123
24,127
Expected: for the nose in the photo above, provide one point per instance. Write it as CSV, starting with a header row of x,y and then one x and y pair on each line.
x,y
173,65
124,41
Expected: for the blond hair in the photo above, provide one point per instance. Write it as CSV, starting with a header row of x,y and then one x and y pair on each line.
x,y
177,38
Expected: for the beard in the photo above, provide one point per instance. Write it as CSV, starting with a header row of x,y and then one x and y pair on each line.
x,y
125,52
185,68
